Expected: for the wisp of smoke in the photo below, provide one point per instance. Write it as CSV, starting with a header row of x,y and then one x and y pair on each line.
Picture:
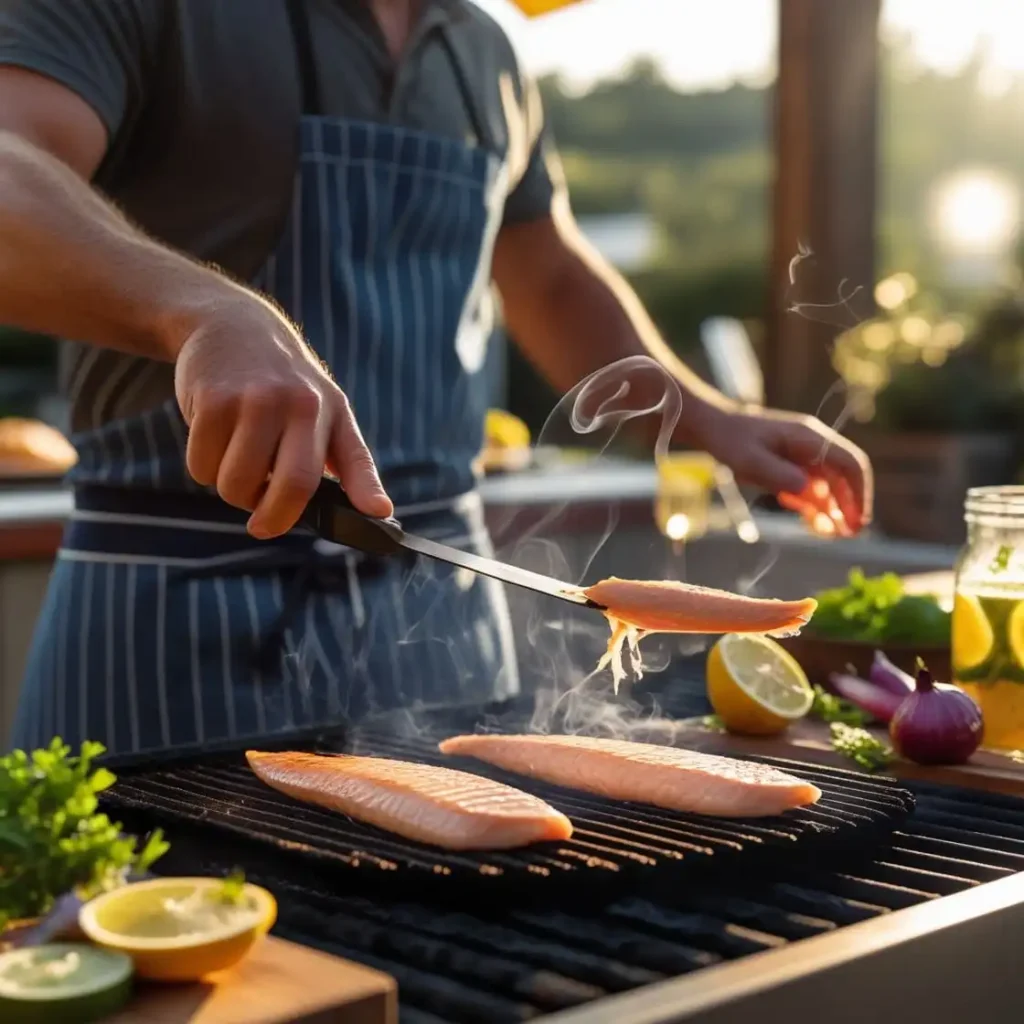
x,y
564,643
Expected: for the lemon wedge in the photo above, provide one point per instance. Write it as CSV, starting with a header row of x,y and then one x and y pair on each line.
x,y
755,686
179,929
973,638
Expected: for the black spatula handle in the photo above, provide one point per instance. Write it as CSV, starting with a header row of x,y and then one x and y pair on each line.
x,y
332,516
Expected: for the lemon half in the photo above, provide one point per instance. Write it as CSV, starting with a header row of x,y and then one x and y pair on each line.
x,y
755,686
179,929
973,638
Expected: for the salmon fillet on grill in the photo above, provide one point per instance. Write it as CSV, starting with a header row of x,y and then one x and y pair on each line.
x,y
676,780
426,803
635,608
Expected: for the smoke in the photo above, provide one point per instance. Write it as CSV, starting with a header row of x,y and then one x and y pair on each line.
x,y
632,402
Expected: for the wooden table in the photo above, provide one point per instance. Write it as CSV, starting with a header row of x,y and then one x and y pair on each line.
x,y
278,983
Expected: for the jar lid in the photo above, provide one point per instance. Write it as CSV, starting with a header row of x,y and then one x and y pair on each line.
x,y
1003,503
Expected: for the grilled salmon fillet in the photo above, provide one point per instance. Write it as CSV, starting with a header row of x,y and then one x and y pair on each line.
x,y
427,803
677,780
667,606
635,608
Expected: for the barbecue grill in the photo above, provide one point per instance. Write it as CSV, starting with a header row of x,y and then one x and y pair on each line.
x,y
875,903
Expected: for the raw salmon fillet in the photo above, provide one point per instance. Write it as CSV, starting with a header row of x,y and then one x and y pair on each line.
x,y
667,606
426,803
677,780
635,608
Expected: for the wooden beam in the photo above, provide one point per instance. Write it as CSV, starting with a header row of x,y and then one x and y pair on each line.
x,y
826,156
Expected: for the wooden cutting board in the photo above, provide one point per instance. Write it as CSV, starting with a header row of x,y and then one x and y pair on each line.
x,y
810,741
278,983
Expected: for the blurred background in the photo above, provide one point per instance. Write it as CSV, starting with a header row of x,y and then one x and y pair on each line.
x,y
842,179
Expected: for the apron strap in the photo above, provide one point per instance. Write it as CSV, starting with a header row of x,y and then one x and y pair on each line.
x,y
305,58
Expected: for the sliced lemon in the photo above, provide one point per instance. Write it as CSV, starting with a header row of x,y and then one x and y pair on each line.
x,y
179,929
973,638
503,430
755,686
62,983
1015,633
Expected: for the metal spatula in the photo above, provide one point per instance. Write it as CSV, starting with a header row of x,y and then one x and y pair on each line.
x,y
331,516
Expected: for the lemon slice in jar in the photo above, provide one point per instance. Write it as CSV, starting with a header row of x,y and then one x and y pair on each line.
x,y
1015,634
180,929
755,686
973,638
62,983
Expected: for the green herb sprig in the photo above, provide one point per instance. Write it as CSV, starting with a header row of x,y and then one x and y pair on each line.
x,y
830,708
861,747
52,839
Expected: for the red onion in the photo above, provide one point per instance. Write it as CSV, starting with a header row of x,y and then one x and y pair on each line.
x,y
936,725
886,675
877,702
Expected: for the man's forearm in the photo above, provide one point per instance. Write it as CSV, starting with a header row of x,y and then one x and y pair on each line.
x,y
71,265
582,316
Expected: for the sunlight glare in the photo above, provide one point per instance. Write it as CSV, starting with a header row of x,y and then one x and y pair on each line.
x,y
977,212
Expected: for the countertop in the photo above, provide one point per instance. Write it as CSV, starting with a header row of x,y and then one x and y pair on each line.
x,y
32,517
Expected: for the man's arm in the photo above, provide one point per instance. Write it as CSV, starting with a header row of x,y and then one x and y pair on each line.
x,y
257,402
572,314
70,264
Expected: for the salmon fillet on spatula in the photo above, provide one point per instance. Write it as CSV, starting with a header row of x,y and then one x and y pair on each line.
x,y
635,608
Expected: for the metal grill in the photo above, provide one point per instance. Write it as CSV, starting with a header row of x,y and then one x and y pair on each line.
x,y
456,966
614,844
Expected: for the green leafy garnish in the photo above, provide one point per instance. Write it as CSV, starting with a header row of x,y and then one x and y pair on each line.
x,y
830,708
232,890
861,747
713,723
52,840
876,610
1001,560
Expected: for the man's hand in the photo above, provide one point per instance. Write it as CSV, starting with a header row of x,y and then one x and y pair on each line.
x,y
265,419
810,467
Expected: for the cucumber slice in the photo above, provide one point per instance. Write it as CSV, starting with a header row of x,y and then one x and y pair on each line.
x,y
62,983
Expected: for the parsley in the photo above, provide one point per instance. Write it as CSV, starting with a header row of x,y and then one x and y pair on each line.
x,y
713,723
876,610
233,888
1001,561
52,840
861,747
830,708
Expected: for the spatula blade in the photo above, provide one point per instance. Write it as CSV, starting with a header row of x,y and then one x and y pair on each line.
x,y
496,570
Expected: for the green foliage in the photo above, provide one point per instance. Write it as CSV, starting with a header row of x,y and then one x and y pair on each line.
x,y
861,747
830,708
876,610
52,839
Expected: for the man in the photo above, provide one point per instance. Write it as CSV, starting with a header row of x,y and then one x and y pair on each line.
x,y
315,196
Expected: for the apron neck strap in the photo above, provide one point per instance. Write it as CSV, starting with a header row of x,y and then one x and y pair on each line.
x,y
305,58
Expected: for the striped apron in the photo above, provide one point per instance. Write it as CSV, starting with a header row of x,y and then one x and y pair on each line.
x,y
165,624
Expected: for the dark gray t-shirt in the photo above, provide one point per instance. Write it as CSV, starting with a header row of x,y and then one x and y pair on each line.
x,y
201,99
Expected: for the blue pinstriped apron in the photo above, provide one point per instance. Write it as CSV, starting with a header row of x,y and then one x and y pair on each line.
x,y
165,624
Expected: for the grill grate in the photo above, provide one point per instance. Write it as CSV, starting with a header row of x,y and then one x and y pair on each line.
x,y
462,966
614,844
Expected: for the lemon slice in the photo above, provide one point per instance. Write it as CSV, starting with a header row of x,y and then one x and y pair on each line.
x,y
972,632
755,686
62,983
179,929
1015,633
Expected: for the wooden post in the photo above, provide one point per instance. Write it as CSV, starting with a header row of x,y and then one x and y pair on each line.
x,y
826,111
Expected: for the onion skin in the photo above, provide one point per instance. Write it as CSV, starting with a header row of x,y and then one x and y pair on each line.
x,y
936,725
876,701
886,675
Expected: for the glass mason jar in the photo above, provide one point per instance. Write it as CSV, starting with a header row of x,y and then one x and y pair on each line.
x,y
988,612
